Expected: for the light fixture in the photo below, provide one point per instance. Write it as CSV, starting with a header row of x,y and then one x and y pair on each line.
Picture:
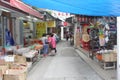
x,y
35,19
21,18
28,17
5,10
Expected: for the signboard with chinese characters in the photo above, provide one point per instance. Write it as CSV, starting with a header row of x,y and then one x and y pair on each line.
x,y
40,29
51,24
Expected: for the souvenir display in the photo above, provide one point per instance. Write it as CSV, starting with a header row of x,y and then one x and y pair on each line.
x,y
102,33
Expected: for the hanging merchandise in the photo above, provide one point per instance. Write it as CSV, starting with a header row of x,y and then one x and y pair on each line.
x,y
85,37
101,40
93,33
101,32
106,39
106,35
107,27
91,26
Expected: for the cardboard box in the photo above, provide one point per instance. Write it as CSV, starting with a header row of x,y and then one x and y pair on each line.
x,y
1,75
113,57
20,59
109,57
12,74
2,62
38,47
106,57
9,58
18,66
3,68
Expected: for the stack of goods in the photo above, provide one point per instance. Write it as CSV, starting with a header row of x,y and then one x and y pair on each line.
x,y
38,47
94,39
14,75
22,50
29,53
13,67
3,68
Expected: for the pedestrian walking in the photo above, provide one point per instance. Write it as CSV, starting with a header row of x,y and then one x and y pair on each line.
x,y
67,36
53,43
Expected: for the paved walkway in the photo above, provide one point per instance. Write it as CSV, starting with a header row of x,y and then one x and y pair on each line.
x,y
66,65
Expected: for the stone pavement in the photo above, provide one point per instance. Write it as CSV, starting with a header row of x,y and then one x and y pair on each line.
x,y
66,65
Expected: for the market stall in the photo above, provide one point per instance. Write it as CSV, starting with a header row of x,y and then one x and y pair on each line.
x,y
16,62
99,38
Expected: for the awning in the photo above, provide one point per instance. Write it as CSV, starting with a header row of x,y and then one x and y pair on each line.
x,y
84,7
20,5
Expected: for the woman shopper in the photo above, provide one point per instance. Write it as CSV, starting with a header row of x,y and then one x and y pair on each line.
x,y
45,45
53,42
49,41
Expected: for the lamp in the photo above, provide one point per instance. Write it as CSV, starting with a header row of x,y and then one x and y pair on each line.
x,y
2,9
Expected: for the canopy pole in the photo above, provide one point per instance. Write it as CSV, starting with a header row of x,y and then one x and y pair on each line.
x,y
62,32
118,48
75,30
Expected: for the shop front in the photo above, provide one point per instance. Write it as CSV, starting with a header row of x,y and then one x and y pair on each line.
x,y
99,38
15,26
13,17
6,25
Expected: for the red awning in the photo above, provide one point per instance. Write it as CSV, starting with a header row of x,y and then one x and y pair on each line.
x,y
20,5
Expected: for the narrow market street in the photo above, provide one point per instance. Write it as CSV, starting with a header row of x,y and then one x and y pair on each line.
x,y
66,65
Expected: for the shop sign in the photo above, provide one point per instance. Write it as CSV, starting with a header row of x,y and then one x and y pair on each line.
x,y
87,19
65,24
40,29
51,24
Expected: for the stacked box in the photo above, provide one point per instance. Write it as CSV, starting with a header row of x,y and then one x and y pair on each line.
x,y
109,57
12,74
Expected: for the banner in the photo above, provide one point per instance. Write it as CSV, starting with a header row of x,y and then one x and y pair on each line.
x,y
40,29
51,24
